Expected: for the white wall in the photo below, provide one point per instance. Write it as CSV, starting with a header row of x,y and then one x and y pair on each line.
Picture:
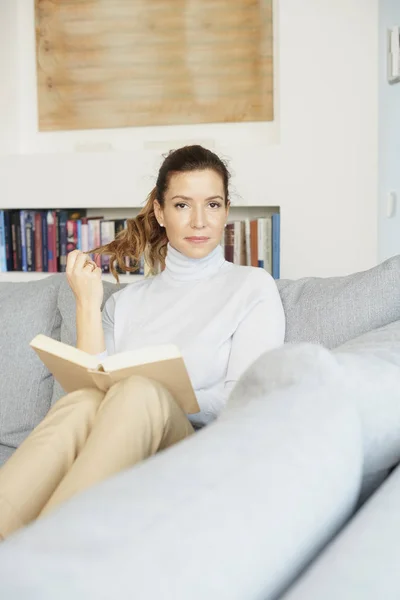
x,y
389,139
8,78
318,161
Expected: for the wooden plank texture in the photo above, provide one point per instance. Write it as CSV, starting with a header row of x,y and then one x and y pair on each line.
x,y
120,63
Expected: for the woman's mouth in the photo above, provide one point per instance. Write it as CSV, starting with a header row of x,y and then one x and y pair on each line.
x,y
197,239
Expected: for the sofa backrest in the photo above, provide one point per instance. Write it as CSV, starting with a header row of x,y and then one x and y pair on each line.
x,y
330,311
26,388
327,311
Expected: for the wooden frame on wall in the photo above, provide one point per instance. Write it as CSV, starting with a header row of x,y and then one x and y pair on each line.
x,y
103,63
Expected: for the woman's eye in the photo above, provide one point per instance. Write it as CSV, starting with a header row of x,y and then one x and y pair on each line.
x,y
180,205
215,204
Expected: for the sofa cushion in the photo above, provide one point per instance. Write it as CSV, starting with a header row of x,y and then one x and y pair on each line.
x,y
383,342
26,309
372,363
362,563
67,309
363,373
234,512
332,310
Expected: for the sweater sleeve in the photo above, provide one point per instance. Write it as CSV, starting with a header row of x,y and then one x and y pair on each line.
x,y
262,329
108,328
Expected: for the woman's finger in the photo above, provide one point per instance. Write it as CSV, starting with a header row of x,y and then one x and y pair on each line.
x,y
90,264
71,259
81,261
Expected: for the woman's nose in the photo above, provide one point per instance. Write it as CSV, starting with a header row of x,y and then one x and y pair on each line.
x,y
198,219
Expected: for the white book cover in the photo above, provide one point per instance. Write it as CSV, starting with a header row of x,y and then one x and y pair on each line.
x,y
247,241
237,242
85,237
261,233
268,245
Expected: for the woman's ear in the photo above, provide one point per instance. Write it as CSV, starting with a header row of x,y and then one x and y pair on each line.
x,y
158,213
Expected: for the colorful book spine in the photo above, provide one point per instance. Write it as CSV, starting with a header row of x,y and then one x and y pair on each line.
x,y
237,242
254,243
8,236
79,223
276,242
229,241
30,240
261,233
107,235
57,236
22,217
72,235
84,240
120,225
3,257
94,237
41,240
51,241
62,233
247,241
38,242
16,240
45,253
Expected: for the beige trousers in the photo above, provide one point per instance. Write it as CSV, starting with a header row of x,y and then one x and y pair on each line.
x,y
87,436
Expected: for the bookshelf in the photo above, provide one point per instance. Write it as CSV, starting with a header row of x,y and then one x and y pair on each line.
x,y
237,213
21,277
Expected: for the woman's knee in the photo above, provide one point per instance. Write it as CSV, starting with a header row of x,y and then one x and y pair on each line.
x,y
135,392
84,402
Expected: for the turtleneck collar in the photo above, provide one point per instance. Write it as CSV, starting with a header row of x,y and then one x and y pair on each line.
x,y
182,268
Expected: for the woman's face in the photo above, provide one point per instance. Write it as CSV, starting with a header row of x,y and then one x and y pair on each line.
x,y
194,212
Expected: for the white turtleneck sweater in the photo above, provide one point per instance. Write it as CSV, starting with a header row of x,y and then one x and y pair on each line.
x,y
221,316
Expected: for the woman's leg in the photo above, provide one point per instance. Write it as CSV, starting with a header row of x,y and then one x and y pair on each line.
x,y
30,476
137,418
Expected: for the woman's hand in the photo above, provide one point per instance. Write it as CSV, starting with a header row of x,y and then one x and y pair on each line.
x,y
84,278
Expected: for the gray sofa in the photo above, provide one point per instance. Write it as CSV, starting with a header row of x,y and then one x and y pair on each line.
x,y
292,493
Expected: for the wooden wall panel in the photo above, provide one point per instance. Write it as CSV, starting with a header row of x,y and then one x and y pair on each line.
x,y
120,63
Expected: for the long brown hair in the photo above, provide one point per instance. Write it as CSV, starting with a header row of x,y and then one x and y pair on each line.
x,y
143,234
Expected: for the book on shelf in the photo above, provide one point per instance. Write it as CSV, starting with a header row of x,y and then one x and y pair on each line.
x,y
52,241
22,240
75,369
29,240
38,241
62,227
276,243
107,235
3,250
41,240
254,242
45,240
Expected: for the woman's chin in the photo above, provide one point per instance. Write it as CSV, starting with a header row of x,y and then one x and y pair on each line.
x,y
193,249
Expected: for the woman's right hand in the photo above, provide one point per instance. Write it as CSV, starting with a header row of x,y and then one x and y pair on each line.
x,y
84,278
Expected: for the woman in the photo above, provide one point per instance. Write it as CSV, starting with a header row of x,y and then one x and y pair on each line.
x,y
221,316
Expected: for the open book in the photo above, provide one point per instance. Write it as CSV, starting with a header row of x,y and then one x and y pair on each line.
x,y
75,369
